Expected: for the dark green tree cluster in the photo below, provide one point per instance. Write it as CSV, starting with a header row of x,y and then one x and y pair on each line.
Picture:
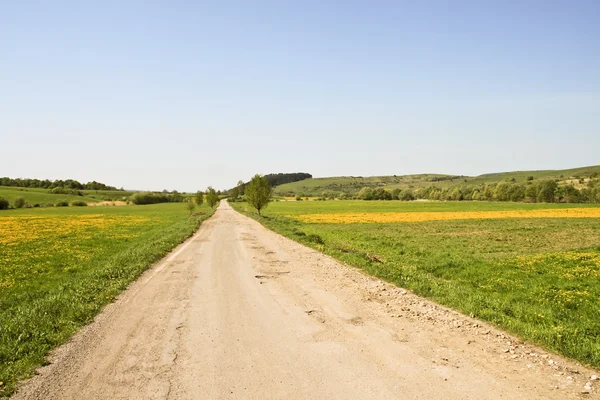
x,y
4,204
374,194
48,184
382,194
142,198
548,191
280,179
273,179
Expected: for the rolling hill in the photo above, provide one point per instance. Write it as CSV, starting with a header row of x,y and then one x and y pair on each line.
x,y
352,184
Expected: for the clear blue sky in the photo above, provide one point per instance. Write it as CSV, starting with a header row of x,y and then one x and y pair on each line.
x,y
185,94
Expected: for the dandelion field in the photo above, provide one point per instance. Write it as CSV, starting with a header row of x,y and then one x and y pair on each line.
x,y
532,269
60,266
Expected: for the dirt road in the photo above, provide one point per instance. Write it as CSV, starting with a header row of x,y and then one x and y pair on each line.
x,y
239,312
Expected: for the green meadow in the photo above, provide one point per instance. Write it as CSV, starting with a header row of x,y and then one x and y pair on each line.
x,y
45,198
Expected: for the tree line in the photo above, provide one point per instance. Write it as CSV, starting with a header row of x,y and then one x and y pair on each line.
x,y
272,179
539,192
142,198
59,183
281,178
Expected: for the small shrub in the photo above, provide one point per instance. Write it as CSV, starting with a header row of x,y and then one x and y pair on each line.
x,y
299,233
61,204
3,204
19,202
407,195
78,203
191,206
315,238
62,190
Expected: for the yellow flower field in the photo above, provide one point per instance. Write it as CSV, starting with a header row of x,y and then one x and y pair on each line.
x,y
567,265
391,217
16,230
31,244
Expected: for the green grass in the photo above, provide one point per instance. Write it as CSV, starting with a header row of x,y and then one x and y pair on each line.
x,y
60,266
107,194
537,278
347,184
44,197
40,196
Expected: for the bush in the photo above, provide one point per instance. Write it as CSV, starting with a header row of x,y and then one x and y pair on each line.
x,y
62,190
190,205
19,202
61,204
407,195
78,203
154,198
365,193
199,198
315,238
212,197
3,204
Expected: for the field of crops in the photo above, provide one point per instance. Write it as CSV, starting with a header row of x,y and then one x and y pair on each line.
x,y
60,266
532,269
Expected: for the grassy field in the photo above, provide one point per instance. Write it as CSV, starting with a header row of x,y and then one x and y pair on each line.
x,y
40,196
532,269
100,195
352,184
45,197
60,266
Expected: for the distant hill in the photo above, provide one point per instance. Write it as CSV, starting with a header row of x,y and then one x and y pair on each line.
x,y
351,185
